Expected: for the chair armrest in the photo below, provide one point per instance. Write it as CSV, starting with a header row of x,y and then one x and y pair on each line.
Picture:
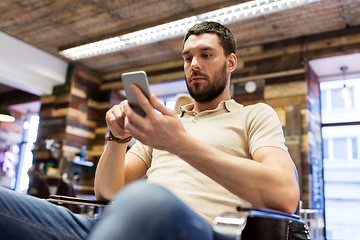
x,y
261,223
74,200
264,212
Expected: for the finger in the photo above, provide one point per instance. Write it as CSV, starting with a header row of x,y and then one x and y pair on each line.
x,y
130,113
142,99
119,114
133,122
161,107
110,116
132,128
136,125
113,124
115,120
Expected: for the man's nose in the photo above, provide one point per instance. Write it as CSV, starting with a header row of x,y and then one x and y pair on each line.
x,y
195,64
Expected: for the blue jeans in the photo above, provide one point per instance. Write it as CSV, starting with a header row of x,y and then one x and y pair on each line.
x,y
140,211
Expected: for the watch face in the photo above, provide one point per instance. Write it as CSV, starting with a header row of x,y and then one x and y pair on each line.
x,y
250,87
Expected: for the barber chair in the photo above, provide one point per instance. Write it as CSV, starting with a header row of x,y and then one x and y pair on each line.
x,y
244,224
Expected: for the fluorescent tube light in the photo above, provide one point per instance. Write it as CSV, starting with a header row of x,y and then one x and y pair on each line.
x,y
179,27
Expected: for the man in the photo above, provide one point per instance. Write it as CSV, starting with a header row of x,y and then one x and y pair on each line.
x,y
218,154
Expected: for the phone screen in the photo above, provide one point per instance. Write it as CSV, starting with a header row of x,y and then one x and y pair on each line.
x,y
138,78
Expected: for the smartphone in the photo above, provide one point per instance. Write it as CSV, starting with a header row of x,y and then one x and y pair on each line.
x,y
140,79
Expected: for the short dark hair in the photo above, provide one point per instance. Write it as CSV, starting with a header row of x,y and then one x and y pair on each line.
x,y
226,38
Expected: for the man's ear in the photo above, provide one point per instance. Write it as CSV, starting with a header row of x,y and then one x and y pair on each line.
x,y
231,62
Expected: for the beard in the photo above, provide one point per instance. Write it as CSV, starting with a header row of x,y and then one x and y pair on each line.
x,y
210,91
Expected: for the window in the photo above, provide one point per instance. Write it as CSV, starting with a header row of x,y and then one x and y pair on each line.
x,y
340,148
341,137
354,146
336,100
324,101
326,148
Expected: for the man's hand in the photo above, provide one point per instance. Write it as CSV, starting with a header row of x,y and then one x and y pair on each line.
x,y
115,120
158,130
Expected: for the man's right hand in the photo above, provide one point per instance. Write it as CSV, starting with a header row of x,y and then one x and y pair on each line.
x,y
115,118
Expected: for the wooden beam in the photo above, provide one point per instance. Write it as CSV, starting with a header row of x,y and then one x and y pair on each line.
x,y
149,68
168,77
269,75
17,97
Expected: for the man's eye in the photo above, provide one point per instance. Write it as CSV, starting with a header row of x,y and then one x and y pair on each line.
x,y
206,55
188,59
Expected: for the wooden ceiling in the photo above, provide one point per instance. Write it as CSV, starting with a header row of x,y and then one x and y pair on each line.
x,y
55,25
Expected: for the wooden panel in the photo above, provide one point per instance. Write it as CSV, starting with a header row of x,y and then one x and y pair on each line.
x,y
280,102
78,92
98,105
83,121
62,89
91,77
15,97
293,124
76,140
285,90
247,99
77,124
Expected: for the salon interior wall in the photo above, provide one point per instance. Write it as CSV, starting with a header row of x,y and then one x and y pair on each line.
x,y
74,116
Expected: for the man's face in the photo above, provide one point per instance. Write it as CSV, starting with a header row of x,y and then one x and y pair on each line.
x,y
205,67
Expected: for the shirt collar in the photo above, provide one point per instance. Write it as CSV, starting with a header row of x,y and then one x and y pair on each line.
x,y
229,105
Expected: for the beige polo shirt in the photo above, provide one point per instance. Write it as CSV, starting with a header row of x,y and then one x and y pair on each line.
x,y
231,128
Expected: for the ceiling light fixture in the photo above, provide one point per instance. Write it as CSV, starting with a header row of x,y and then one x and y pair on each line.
x,y
5,115
179,27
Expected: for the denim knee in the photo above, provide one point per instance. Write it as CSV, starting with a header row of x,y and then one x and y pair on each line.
x,y
141,193
151,211
146,200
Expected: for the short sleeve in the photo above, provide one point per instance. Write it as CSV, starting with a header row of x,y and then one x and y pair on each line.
x,y
142,151
264,128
